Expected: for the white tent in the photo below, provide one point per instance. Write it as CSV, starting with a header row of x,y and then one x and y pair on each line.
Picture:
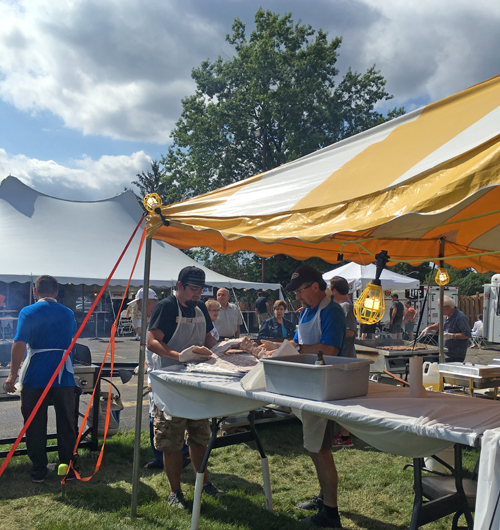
x,y
359,276
80,242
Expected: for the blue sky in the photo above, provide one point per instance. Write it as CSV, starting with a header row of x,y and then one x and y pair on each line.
x,y
90,89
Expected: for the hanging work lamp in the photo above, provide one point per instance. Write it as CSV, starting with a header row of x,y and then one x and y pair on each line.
x,y
370,306
442,276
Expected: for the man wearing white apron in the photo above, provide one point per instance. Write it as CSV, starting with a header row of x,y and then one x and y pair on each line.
x,y
322,327
180,331
47,328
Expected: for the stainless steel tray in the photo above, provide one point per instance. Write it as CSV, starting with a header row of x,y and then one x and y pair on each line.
x,y
470,370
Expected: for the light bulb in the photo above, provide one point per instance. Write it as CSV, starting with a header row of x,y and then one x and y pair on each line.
x,y
442,277
370,306
152,201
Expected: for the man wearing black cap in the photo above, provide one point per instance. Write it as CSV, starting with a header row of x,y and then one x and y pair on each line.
x,y
322,327
180,331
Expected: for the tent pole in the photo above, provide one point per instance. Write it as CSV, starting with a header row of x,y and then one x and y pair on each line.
x,y
441,330
441,302
140,382
239,309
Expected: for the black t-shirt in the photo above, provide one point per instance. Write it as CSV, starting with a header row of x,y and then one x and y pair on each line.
x,y
396,304
260,304
165,312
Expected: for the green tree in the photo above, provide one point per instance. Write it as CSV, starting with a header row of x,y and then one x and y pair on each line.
x,y
420,272
274,101
151,182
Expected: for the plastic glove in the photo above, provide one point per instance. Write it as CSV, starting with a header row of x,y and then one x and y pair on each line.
x,y
448,336
189,355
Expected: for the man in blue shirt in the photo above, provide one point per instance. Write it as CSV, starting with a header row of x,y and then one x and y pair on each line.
x,y
322,327
456,330
47,329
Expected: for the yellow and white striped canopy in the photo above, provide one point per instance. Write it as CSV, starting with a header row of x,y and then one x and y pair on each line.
x,y
400,187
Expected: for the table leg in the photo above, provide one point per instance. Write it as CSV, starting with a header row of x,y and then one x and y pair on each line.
x,y
266,477
198,490
224,441
425,512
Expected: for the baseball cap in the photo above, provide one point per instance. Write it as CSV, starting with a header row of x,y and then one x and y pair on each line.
x,y
305,274
192,276
140,294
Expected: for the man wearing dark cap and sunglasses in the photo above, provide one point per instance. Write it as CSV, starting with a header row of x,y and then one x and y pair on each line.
x,y
180,331
322,327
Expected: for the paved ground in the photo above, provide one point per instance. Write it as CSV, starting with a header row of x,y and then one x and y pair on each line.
x,y
127,350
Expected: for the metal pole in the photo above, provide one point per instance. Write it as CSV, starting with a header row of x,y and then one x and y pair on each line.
x,y
140,380
263,270
239,309
441,330
441,302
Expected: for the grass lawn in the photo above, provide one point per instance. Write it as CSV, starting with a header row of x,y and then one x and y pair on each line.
x,y
374,492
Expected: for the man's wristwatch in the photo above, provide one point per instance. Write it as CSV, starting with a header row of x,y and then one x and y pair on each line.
x,y
298,347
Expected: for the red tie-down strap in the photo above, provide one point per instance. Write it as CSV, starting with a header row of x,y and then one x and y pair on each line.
x,y
67,352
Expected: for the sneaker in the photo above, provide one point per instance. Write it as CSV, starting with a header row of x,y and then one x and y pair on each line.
x,y
323,520
176,499
38,475
210,489
316,503
339,441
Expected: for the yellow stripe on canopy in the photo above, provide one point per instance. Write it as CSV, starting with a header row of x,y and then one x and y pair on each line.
x,y
398,187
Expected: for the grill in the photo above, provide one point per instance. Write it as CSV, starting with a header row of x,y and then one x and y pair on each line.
x,y
395,361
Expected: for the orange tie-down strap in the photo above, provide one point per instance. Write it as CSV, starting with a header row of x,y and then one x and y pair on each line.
x,y
65,356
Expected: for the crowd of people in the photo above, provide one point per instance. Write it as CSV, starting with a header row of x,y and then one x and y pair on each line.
x,y
182,328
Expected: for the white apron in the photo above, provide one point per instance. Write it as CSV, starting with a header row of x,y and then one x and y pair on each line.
x,y
189,332
68,365
313,426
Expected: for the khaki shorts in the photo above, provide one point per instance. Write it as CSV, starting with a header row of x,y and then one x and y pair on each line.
x,y
169,434
329,435
261,317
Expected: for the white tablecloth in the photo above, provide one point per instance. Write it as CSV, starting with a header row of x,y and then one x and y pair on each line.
x,y
387,418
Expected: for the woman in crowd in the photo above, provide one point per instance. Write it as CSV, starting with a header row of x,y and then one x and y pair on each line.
x,y
213,310
277,327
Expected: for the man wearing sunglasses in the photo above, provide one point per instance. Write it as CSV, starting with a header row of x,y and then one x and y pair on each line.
x,y
180,331
322,327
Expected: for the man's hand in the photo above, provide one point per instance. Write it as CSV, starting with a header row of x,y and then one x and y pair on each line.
x,y
269,345
10,386
195,354
202,350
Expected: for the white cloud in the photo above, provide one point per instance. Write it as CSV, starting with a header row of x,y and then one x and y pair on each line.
x,y
119,68
85,180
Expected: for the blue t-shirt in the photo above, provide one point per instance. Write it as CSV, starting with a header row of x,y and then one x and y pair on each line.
x,y
46,325
333,324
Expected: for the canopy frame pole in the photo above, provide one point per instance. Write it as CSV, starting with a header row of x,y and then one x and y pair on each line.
x,y
441,302
140,383
239,309
112,306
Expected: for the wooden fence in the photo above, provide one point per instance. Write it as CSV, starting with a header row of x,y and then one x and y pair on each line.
x,y
471,306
